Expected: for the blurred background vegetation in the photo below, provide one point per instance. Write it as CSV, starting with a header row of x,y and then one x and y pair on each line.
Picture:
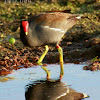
x,y
12,12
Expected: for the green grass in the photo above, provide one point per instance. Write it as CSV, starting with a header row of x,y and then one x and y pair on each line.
x,y
12,13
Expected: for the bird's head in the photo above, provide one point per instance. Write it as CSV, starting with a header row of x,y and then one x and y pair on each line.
x,y
25,25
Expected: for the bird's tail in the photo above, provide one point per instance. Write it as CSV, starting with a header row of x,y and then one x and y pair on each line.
x,y
76,16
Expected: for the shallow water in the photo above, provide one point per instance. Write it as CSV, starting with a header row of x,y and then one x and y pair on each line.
x,y
80,80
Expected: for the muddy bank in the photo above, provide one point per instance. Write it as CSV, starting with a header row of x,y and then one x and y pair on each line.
x,y
16,57
81,43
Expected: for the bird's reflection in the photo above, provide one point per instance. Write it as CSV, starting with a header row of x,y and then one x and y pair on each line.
x,y
51,90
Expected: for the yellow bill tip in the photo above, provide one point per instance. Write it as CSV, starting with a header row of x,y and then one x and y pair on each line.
x,y
26,33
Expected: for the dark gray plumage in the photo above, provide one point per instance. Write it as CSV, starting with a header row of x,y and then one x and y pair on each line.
x,y
46,90
47,28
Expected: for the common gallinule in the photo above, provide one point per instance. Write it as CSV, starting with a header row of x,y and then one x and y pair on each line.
x,y
47,90
47,29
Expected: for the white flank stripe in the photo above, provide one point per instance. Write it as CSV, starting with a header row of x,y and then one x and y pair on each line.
x,y
63,93
78,17
55,29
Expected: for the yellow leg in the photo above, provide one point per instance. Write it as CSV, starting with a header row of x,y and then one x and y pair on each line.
x,y
39,62
61,61
43,55
47,72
